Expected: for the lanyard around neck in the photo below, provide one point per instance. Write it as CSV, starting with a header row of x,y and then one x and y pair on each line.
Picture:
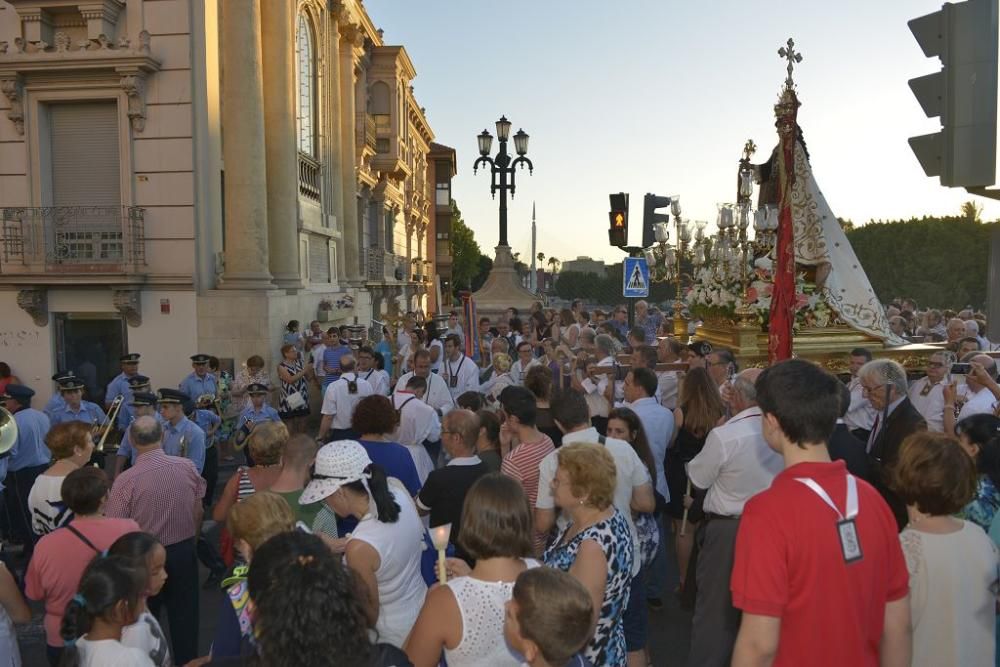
x,y
852,495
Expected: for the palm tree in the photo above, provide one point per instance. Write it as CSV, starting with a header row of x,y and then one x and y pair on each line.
x,y
541,258
554,264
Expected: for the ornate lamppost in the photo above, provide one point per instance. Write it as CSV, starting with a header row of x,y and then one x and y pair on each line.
x,y
503,166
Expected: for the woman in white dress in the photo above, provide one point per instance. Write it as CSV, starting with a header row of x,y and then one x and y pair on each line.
x,y
952,563
465,616
384,549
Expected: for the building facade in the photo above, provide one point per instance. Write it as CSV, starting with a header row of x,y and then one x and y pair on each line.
x,y
585,265
181,176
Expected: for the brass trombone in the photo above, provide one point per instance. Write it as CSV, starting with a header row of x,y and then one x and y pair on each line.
x,y
109,421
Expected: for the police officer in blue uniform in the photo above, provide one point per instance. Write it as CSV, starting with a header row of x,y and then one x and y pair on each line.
x,y
143,405
28,459
181,436
120,385
200,381
256,413
136,383
56,402
76,409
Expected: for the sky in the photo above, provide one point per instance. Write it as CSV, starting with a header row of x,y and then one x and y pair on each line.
x,y
660,96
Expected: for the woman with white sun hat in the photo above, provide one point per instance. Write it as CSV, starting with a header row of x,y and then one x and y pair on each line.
x,y
384,550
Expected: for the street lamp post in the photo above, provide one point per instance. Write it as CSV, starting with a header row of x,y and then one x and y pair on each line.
x,y
502,167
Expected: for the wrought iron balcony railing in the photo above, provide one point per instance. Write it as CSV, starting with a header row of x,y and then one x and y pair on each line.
x,y
309,175
72,239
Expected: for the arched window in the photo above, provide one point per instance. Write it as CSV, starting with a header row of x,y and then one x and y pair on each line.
x,y
306,86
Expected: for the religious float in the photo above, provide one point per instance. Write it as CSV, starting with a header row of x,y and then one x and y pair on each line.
x,y
799,253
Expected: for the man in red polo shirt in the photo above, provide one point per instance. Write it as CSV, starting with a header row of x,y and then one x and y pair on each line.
x,y
819,573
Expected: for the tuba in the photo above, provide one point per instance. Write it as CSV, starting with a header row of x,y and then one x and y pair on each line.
x,y
8,431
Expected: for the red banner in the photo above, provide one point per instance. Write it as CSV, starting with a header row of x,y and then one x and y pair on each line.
x,y
782,316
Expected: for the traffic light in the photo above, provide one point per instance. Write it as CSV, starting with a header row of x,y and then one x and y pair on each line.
x,y
963,93
618,232
650,217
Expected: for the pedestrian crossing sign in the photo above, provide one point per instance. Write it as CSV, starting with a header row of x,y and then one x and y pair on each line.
x,y
635,278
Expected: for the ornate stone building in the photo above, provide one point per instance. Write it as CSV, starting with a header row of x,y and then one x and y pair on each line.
x,y
181,176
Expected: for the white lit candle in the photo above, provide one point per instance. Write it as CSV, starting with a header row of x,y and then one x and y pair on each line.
x,y
440,536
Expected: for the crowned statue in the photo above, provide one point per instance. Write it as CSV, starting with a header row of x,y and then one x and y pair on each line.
x,y
801,272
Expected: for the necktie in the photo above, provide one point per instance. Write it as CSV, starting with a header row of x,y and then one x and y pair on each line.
x,y
874,433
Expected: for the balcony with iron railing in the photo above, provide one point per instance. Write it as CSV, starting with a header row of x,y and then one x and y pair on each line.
x,y
68,240
309,177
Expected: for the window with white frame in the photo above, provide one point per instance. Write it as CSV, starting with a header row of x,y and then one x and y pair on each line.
x,y
306,65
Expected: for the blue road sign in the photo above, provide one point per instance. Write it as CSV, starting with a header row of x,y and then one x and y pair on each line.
x,y
635,278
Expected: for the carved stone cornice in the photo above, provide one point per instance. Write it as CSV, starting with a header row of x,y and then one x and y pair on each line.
x,y
35,302
13,90
128,302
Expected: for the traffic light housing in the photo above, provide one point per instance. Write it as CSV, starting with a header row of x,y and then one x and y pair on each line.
x,y
618,230
963,93
650,217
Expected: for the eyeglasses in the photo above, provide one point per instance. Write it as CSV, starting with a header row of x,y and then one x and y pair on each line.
x,y
870,390
935,364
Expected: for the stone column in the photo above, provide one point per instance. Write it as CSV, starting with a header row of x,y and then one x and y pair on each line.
x,y
246,251
351,37
333,150
278,32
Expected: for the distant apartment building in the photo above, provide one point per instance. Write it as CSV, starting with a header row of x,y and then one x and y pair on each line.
x,y
584,265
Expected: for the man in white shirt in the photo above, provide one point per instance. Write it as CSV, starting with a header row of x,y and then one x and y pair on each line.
x,y
633,488
453,326
419,425
600,388
860,416
927,393
438,395
339,401
734,465
316,353
458,370
978,398
376,377
525,361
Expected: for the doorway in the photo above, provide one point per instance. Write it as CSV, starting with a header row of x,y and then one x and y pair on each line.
x,y
90,344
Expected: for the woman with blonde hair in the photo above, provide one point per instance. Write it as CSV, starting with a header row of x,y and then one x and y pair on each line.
x,y
596,544
267,442
250,523
699,409
501,379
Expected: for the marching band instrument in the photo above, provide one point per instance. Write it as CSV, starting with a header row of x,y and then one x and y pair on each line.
x,y
109,421
8,431
243,432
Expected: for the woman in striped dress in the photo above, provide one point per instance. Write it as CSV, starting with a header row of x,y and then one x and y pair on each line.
x,y
293,408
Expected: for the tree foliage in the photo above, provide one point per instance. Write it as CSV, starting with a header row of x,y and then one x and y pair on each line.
x,y
940,262
465,252
607,289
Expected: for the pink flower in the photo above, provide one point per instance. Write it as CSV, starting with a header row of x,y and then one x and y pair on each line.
x,y
801,301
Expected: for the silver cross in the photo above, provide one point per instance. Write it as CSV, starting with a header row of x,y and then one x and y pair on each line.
x,y
792,56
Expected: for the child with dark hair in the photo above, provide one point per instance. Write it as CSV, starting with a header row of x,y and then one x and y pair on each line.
x,y
107,601
144,552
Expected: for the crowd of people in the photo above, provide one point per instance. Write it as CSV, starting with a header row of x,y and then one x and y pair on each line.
x,y
511,498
